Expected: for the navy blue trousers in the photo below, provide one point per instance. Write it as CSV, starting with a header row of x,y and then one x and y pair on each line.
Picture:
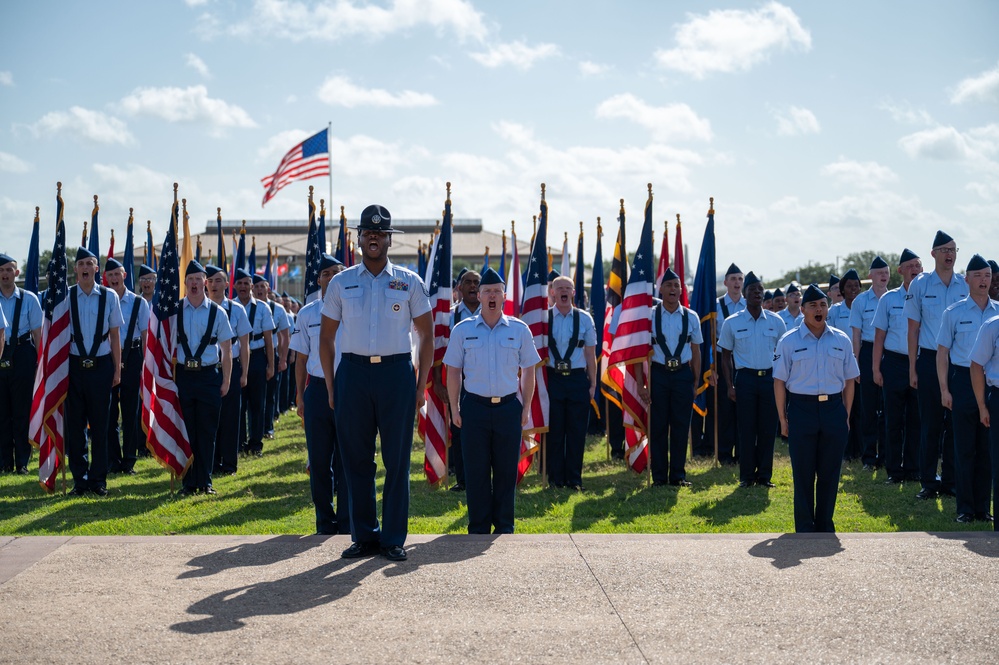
x,y
872,417
16,388
200,404
376,400
669,420
727,433
901,451
490,441
254,400
227,437
271,399
569,399
816,439
993,402
936,436
326,477
125,398
972,466
88,402
757,414
455,460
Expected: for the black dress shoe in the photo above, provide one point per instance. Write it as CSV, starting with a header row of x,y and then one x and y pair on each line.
x,y
765,483
745,484
209,490
128,472
187,491
22,471
984,517
926,494
947,491
681,483
660,483
965,518
576,488
869,467
894,480
457,487
99,491
78,491
394,553
360,550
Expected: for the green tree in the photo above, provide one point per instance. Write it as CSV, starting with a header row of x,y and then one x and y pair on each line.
x,y
861,262
809,273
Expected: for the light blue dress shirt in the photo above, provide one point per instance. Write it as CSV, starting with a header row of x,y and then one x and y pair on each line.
x,y
752,341
305,339
128,302
460,312
959,328
890,317
195,323
672,325
839,318
375,312
810,365
561,332
280,315
985,352
791,321
490,357
733,307
238,321
88,307
862,315
262,320
928,298
31,312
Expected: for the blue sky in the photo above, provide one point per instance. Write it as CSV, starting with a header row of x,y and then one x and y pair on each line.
x,y
819,128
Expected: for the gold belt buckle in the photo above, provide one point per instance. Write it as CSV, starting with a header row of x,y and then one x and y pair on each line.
x,y
495,400
823,398
761,372
375,359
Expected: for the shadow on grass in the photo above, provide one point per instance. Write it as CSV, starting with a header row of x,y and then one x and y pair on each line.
x,y
324,584
737,503
76,512
791,549
613,504
899,503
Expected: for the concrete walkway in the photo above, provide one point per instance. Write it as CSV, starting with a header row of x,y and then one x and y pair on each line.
x,y
909,597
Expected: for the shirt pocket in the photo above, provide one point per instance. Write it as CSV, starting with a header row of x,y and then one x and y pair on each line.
x,y
509,350
397,303
964,329
896,318
352,303
474,352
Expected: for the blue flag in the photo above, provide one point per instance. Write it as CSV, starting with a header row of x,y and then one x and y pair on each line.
x,y
598,303
31,270
341,240
252,260
578,279
94,243
128,258
704,304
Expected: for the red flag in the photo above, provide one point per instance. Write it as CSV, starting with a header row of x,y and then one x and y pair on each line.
x,y
511,307
161,415
631,345
678,261
104,274
46,426
663,257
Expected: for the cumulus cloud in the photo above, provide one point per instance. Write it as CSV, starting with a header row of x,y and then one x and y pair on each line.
x,y
191,104
198,65
587,68
732,40
6,78
904,113
981,88
666,123
939,143
12,164
867,175
340,91
796,121
84,123
298,21
517,54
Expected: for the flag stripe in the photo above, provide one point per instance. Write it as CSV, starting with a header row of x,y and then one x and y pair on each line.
x,y
308,159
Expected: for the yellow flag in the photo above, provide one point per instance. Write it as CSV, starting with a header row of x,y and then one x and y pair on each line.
x,y
186,253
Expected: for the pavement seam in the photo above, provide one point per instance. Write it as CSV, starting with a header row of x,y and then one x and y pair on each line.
x,y
609,601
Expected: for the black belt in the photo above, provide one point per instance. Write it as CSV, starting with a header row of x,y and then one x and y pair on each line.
x,y
376,360
136,343
23,339
260,350
756,372
958,369
83,362
928,352
181,367
488,401
571,372
896,355
667,367
865,344
813,399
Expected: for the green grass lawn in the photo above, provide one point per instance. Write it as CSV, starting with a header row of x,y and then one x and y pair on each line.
x,y
270,495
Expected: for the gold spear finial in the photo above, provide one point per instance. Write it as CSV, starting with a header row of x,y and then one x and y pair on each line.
x,y
130,216
84,241
677,220
622,206
96,207
219,211
183,205
504,235
650,189
448,186
310,192
711,210
580,226
322,207
600,229
242,229
175,186
567,234
112,234
58,189
36,214
665,226
149,223
513,224
341,211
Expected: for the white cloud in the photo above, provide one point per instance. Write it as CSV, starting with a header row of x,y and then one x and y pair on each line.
x,y
191,104
198,65
6,78
940,143
796,121
340,91
981,88
517,54
904,113
732,40
84,123
297,21
195,3
866,175
12,164
667,123
587,68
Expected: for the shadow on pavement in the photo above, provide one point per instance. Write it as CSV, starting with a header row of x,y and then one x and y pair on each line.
x,y
982,543
791,549
331,581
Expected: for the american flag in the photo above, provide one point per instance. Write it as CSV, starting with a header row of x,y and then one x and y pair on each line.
x,y
104,276
436,431
511,307
631,345
534,313
52,373
313,254
611,377
308,159
161,415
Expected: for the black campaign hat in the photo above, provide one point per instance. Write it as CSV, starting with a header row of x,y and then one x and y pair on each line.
x,y
145,270
490,276
376,218
907,255
977,263
878,263
193,268
813,293
733,270
110,264
941,238
84,253
751,279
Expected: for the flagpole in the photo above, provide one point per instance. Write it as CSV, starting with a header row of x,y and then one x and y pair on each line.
x,y
329,157
714,356
544,342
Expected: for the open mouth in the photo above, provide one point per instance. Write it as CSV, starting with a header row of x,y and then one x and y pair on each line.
x,y
564,298
492,305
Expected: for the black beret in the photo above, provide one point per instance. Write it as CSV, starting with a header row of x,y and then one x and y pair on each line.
x,y
259,278
994,266
768,295
328,261
5,259
242,274
833,280
793,288
669,275
145,270
211,270
552,275
778,293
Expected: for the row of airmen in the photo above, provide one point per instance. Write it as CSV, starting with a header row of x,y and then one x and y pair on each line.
x,y
109,327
